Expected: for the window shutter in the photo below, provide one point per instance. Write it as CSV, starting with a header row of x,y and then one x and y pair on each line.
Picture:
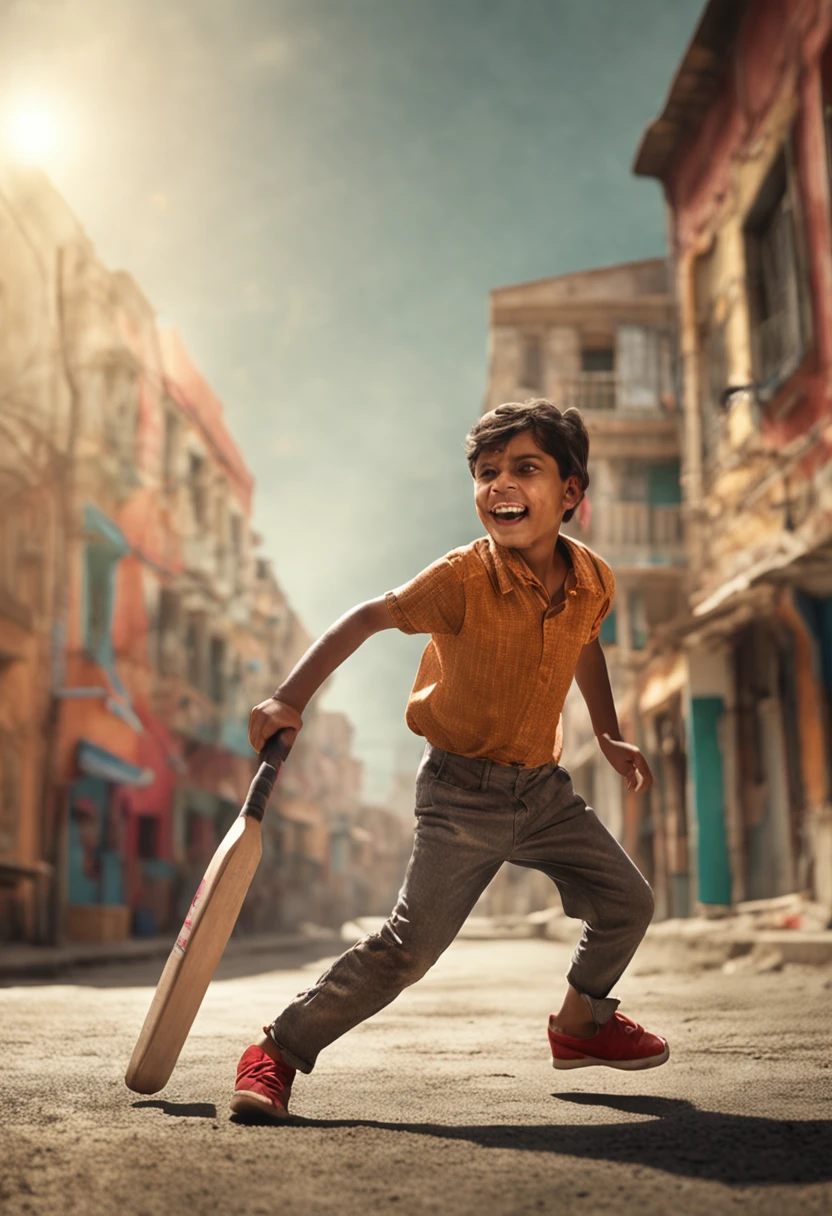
x,y
638,363
803,284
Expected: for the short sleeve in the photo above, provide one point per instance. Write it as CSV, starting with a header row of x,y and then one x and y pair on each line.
x,y
606,602
432,602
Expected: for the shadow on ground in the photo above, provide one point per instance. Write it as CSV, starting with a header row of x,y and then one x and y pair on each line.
x,y
180,1110
680,1139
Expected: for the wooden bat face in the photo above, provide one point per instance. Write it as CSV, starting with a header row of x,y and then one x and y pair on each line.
x,y
204,935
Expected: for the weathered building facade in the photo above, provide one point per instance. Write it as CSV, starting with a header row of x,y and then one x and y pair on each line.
x,y
34,440
603,341
138,623
738,699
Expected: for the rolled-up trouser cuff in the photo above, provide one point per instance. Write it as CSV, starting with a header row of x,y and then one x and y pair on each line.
x,y
289,1056
601,1007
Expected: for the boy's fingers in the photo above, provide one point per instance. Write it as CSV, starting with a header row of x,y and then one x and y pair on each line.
x,y
645,777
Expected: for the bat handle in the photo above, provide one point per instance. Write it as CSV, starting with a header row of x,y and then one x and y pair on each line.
x,y
275,750
271,761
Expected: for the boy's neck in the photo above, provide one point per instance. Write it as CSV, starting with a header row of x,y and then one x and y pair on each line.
x,y
545,559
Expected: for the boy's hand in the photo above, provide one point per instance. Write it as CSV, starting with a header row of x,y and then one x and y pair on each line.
x,y
269,717
627,760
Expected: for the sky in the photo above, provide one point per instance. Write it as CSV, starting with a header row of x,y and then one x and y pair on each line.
x,y
319,195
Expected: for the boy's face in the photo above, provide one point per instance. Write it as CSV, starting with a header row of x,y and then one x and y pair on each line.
x,y
522,475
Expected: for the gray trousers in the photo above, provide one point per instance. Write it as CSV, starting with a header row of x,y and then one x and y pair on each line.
x,y
471,816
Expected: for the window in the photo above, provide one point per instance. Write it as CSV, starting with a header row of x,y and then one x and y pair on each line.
x,y
197,488
531,365
170,451
10,792
608,632
664,483
639,631
826,75
596,383
777,280
237,532
167,632
216,685
194,649
119,388
100,584
148,837
641,360
600,360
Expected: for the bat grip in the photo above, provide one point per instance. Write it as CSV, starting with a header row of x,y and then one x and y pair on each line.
x,y
271,761
275,751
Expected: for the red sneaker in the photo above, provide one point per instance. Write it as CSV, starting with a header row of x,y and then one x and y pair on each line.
x,y
264,1085
619,1043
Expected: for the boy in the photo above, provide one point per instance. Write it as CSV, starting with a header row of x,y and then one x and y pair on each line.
x,y
512,618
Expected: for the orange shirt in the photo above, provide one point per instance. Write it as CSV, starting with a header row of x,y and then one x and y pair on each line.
x,y
493,677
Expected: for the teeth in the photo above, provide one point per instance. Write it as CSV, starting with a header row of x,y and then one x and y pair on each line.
x,y
507,510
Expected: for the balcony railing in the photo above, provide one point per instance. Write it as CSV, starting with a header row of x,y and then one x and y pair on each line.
x,y
592,391
607,391
639,533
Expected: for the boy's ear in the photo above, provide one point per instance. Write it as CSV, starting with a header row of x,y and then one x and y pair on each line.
x,y
573,491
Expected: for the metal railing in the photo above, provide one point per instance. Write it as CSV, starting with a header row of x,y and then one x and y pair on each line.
x,y
591,391
638,530
607,391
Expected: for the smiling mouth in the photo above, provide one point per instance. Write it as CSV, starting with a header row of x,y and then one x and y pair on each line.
x,y
513,516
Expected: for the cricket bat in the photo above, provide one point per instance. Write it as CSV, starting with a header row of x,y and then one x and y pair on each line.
x,y
205,933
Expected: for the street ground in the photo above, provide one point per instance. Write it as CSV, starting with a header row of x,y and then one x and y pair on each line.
x,y
445,1102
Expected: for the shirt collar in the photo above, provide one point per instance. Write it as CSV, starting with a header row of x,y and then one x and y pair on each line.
x,y
510,567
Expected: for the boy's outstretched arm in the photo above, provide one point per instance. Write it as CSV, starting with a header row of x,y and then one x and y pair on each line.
x,y
285,707
594,682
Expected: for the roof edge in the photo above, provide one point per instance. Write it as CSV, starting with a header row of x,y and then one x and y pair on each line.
x,y
573,274
700,72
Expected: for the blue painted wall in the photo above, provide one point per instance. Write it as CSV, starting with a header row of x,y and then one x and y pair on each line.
x,y
107,887
713,867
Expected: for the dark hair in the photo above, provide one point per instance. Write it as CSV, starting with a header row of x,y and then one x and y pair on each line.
x,y
561,433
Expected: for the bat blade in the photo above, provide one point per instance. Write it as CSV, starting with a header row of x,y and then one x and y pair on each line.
x,y
203,937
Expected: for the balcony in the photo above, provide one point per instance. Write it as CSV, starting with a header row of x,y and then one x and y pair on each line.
x,y
608,392
639,534
591,391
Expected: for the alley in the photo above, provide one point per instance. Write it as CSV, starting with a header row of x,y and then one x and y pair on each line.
x,y
445,1102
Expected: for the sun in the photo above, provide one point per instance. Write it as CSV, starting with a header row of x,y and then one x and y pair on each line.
x,y
31,132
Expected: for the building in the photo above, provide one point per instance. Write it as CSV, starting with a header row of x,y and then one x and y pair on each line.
x,y
737,699
603,341
138,621
34,439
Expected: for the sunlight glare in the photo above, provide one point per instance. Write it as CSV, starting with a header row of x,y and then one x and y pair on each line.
x,y
31,133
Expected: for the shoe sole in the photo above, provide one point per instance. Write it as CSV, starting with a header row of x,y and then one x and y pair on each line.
x,y
627,1065
246,1102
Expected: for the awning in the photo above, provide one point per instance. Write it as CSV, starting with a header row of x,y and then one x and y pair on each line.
x,y
108,533
665,678
96,761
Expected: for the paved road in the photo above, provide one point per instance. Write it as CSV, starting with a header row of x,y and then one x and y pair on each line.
x,y
445,1102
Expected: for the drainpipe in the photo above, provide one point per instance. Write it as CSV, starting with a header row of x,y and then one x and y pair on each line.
x,y
54,833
